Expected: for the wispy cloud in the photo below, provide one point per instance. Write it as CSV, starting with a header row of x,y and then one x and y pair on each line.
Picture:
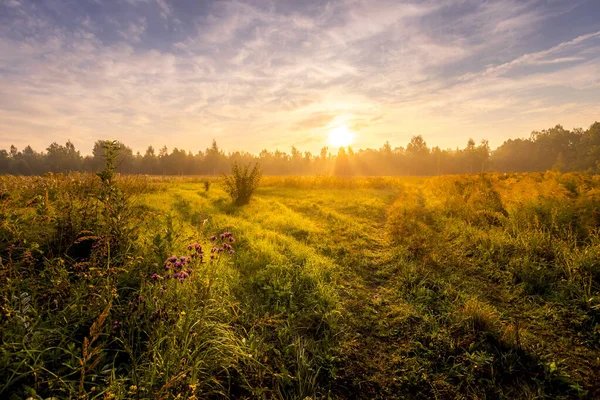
x,y
261,74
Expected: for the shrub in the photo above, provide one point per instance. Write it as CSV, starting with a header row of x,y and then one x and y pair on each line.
x,y
206,185
242,182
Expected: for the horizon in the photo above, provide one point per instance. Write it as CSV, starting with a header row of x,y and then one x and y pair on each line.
x,y
260,75
332,150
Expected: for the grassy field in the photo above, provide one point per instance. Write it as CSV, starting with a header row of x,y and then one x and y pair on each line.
x,y
482,286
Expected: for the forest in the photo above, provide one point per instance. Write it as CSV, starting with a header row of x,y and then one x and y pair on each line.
x,y
550,149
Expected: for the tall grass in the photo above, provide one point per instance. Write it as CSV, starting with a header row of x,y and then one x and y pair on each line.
x,y
483,286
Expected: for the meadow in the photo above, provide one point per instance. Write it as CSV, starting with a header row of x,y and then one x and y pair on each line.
x,y
465,286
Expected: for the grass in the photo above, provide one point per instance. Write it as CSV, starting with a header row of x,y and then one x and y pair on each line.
x,y
450,287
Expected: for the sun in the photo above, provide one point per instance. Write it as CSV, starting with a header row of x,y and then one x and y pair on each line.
x,y
341,137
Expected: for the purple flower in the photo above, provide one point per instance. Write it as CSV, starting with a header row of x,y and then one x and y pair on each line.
x,y
172,259
231,251
213,238
155,276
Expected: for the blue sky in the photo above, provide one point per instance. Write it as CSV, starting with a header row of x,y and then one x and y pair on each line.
x,y
273,74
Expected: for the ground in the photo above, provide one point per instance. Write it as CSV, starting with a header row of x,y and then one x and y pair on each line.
x,y
452,287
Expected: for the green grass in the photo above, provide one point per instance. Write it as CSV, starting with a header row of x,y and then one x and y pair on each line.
x,y
450,287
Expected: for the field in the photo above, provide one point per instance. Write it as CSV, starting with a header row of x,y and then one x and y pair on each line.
x,y
471,286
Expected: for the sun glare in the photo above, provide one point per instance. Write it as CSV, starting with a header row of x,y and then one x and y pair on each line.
x,y
341,136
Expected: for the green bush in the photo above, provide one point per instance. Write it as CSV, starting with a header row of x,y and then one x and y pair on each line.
x,y
242,182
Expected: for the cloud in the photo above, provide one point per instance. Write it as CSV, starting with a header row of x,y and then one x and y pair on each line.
x,y
255,75
134,31
316,120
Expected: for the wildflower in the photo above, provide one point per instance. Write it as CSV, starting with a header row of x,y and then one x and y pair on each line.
x,y
231,251
213,238
155,276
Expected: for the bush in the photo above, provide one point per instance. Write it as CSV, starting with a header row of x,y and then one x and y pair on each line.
x,y
242,182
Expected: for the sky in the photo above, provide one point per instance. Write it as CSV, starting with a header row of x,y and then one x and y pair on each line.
x,y
280,73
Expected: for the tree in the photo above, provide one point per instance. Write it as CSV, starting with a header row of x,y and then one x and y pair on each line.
x,y
342,164
417,153
150,161
63,158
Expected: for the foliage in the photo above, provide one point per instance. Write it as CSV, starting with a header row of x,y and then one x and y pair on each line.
x,y
478,286
242,183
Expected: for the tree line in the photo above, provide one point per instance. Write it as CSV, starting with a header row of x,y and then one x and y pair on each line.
x,y
555,148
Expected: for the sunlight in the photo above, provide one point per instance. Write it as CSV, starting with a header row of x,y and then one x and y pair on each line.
x,y
341,136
